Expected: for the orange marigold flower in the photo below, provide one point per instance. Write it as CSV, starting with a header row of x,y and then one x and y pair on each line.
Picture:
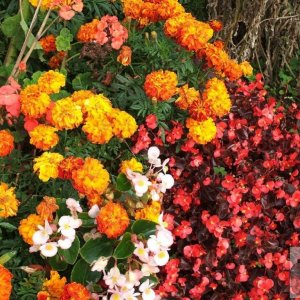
x,y
215,25
55,285
66,114
47,165
48,43
43,295
161,85
150,212
47,207
131,164
200,110
75,291
6,143
8,201
216,97
169,8
56,60
97,105
43,137
93,199
112,220
29,226
34,103
124,125
87,32
201,132
68,165
51,82
5,283
79,97
219,44
125,56
91,178
187,96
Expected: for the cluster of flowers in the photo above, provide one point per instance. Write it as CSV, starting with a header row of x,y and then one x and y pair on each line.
x,y
234,210
66,8
107,30
69,113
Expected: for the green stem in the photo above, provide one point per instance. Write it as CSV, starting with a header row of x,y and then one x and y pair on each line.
x,y
70,58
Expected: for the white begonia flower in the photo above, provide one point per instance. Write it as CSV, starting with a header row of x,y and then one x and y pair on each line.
x,y
154,195
34,248
167,181
73,205
94,211
49,249
161,258
147,292
148,269
153,154
100,264
141,252
42,236
165,238
141,184
116,296
114,277
68,225
134,277
153,244
65,243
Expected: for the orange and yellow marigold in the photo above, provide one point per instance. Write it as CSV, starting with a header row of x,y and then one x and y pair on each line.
x,y
161,85
187,96
112,220
5,283
48,43
55,285
47,207
51,82
75,291
6,143
124,125
150,212
29,226
43,137
8,201
132,165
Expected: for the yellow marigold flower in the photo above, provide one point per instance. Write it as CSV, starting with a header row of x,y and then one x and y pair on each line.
x,y
112,220
124,125
47,207
150,212
47,165
8,201
29,226
5,283
87,32
79,97
187,96
34,103
51,82
66,114
46,4
6,143
55,285
98,129
97,104
201,132
131,164
246,68
43,137
217,97
161,85
91,178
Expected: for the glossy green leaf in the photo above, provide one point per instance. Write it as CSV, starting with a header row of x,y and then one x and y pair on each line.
x,y
70,255
125,247
82,273
122,183
144,227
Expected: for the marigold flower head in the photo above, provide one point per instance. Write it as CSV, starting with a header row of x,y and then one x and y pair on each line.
x,y
51,82
150,212
246,68
98,129
201,132
97,104
47,207
47,165
79,97
169,9
48,43
161,85
46,4
6,143
131,164
56,60
87,32
187,96
112,220
34,103
124,57
43,137
29,226
217,97
55,285
75,291
215,25
68,165
200,110
173,26
91,178
66,114
124,125
5,283
8,201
